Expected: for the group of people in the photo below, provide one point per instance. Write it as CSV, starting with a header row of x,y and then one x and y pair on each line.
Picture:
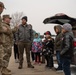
x,y
62,45
23,34
43,48
25,39
6,41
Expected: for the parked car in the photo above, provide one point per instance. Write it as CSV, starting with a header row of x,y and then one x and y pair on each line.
x,y
62,18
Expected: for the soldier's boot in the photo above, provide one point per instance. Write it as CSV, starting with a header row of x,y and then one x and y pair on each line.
x,y
0,70
5,71
20,66
8,70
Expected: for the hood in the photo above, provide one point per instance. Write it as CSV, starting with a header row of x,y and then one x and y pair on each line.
x,y
58,27
37,39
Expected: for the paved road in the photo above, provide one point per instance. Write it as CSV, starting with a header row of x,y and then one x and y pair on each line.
x,y
38,70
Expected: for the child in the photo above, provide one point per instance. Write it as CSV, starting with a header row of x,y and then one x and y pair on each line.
x,y
37,47
57,46
67,48
48,49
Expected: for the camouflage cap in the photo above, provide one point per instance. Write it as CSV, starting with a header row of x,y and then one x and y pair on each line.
x,y
2,5
6,16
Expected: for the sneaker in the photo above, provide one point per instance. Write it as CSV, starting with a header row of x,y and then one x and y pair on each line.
x,y
30,66
53,68
59,70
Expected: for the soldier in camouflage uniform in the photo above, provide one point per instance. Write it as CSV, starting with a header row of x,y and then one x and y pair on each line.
x,y
2,31
7,44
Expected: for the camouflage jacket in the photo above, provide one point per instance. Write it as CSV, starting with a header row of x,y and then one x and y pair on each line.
x,y
7,37
2,32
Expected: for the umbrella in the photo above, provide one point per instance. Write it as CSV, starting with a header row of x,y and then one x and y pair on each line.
x,y
60,18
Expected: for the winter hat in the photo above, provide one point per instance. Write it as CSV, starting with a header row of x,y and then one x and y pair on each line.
x,y
67,27
47,33
25,17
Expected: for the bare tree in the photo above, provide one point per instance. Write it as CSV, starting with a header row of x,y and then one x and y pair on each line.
x,y
16,18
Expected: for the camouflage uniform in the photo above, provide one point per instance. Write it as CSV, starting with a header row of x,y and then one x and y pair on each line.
x,y
1,34
8,38
1,45
7,42
7,45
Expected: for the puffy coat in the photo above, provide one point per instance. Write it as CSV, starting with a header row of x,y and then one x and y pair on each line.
x,y
67,45
57,44
48,47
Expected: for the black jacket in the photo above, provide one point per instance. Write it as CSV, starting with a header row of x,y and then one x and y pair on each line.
x,y
48,47
67,45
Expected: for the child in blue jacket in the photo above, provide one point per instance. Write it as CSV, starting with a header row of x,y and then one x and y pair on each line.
x,y
37,47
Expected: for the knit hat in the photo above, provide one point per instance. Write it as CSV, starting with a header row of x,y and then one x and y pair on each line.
x,y
47,33
67,27
25,17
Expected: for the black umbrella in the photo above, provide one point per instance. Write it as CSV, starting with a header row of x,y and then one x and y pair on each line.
x,y
60,19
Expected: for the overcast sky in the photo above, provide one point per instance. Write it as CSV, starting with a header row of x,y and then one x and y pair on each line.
x,y
38,10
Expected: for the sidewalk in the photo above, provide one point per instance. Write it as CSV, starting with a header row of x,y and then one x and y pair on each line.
x,y
38,70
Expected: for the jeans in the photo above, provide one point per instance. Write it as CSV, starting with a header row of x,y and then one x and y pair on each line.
x,y
66,66
16,53
59,60
32,56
